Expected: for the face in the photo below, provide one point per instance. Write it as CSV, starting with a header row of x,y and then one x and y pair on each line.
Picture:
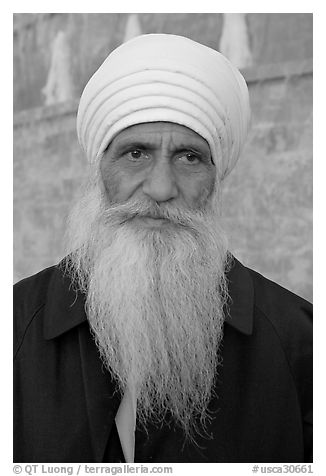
x,y
162,161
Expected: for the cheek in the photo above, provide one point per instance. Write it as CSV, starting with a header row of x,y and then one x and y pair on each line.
x,y
110,182
199,189
118,186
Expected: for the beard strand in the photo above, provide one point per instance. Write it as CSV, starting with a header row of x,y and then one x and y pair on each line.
x,y
154,301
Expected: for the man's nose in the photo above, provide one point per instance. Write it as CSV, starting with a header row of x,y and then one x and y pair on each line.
x,y
160,183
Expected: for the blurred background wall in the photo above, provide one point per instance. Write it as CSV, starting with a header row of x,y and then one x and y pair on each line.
x,y
267,200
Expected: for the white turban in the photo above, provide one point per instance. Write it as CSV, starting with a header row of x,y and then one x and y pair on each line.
x,y
168,78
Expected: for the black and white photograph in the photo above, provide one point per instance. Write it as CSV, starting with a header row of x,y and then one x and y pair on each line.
x,y
162,240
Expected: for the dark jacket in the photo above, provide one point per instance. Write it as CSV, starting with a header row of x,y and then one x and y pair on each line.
x,y
66,402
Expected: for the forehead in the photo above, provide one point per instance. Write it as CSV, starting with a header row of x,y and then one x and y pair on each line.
x,y
158,131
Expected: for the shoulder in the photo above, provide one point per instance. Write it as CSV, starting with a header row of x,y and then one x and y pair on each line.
x,y
30,293
287,316
275,314
282,307
30,296
283,321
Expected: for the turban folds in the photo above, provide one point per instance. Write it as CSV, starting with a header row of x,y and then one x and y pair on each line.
x,y
160,77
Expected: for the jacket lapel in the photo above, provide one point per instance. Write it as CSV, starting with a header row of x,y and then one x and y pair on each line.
x,y
101,392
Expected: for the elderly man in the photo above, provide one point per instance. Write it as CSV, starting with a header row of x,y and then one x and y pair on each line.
x,y
150,342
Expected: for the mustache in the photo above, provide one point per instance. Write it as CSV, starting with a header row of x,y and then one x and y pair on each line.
x,y
127,211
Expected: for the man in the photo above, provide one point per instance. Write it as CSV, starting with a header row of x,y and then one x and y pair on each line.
x,y
150,342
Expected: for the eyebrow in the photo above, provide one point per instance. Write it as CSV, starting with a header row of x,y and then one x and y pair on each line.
x,y
135,142
132,143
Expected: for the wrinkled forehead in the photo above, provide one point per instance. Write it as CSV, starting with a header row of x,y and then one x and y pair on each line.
x,y
160,133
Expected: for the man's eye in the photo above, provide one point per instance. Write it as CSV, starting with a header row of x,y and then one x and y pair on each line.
x,y
189,159
136,154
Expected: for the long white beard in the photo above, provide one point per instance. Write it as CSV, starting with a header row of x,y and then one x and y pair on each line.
x,y
154,301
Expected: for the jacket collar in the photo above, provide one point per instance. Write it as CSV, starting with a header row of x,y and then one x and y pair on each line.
x,y
65,307
240,312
